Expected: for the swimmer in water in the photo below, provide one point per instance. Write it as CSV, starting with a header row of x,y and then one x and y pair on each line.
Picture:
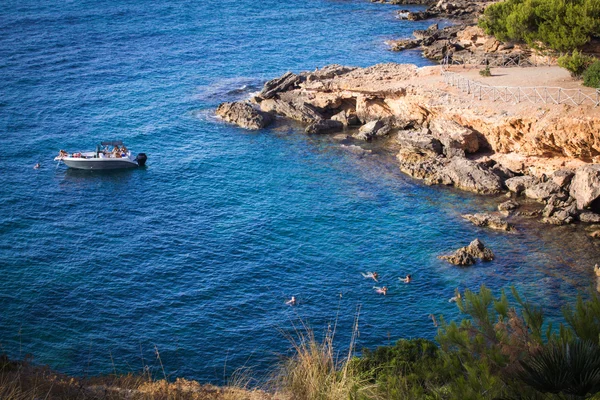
x,y
407,279
373,275
381,290
37,166
456,297
433,320
292,301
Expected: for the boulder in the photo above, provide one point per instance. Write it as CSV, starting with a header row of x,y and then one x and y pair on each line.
x,y
421,166
281,84
585,185
489,220
563,178
419,142
589,217
403,44
520,183
244,115
543,191
467,255
457,139
508,205
324,126
469,175
346,117
595,234
373,129
294,110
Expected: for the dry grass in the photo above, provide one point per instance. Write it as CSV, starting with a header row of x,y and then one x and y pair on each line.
x,y
315,372
23,381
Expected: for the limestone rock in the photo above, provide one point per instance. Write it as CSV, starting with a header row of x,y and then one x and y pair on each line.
x,y
297,111
419,142
327,72
373,129
324,126
471,176
508,205
542,191
244,115
346,117
595,234
280,84
589,217
585,186
467,255
489,220
563,177
457,139
520,183
421,166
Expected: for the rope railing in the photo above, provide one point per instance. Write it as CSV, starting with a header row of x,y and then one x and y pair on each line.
x,y
518,94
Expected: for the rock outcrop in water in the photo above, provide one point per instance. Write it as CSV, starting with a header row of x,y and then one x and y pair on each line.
x,y
244,115
468,255
443,139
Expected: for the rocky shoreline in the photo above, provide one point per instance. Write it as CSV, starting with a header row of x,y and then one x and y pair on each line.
x,y
443,140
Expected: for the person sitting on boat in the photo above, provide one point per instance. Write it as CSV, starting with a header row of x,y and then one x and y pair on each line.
x,y
124,150
63,153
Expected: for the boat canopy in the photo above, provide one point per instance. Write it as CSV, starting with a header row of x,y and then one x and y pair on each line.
x,y
112,143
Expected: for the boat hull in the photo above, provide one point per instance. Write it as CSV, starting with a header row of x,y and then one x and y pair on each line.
x,y
99,163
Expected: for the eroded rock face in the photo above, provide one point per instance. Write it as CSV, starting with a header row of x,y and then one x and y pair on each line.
x,y
373,129
420,142
489,220
520,183
471,176
457,139
467,255
543,191
281,84
244,115
294,110
585,186
324,126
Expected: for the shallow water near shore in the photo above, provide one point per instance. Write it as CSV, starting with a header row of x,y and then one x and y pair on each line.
x,y
196,254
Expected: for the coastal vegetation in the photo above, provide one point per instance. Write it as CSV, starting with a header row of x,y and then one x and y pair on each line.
x,y
561,25
502,349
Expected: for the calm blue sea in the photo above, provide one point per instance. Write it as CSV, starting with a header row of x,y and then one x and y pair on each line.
x,y
195,255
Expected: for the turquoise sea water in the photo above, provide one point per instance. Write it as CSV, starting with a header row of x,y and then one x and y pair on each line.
x,y
196,254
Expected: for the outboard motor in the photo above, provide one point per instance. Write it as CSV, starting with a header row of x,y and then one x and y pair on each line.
x,y
141,159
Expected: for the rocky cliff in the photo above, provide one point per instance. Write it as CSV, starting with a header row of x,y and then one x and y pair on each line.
x,y
446,137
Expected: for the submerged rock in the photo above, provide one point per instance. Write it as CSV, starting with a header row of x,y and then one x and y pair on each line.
x,y
490,221
244,115
469,254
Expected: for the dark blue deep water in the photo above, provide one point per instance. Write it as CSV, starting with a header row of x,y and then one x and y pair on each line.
x,y
196,254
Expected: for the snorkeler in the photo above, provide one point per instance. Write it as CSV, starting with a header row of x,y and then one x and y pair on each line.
x,y
291,302
456,297
37,166
407,279
433,320
381,290
373,275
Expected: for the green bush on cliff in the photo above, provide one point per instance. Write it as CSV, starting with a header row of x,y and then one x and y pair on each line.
x,y
561,25
591,76
576,63
501,350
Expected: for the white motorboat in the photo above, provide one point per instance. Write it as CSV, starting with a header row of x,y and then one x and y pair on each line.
x,y
119,157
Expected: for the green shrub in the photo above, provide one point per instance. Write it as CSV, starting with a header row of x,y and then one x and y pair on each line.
x,y
486,71
591,76
576,63
562,25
